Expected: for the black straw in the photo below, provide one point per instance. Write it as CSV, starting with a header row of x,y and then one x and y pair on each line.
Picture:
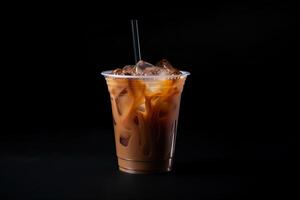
x,y
135,38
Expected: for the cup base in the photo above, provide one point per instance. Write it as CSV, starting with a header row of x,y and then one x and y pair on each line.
x,y
144,167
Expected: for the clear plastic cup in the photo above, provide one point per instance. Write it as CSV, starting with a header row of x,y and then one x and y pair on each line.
x,y
145,113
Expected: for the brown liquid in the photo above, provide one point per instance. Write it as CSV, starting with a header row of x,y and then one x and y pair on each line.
x,y
145,114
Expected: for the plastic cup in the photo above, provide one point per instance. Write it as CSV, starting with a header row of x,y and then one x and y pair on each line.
x,y
145,113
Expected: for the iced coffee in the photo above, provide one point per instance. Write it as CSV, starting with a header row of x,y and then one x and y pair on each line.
x,y
145,102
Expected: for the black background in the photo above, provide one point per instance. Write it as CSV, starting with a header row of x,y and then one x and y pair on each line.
x,y
233,134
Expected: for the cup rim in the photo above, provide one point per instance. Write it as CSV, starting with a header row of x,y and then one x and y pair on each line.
x,y
108,73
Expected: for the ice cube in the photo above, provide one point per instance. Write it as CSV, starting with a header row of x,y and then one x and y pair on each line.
x,y
150,71
144,68
164,63
124,140
117,71
143,65
167,67
122,102
128,70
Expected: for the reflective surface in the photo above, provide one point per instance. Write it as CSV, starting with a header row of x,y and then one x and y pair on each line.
x,y
82,165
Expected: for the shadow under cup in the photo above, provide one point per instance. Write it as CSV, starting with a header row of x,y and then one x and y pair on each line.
x,y
145,114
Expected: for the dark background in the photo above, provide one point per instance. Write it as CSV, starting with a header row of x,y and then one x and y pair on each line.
x,y
233,135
